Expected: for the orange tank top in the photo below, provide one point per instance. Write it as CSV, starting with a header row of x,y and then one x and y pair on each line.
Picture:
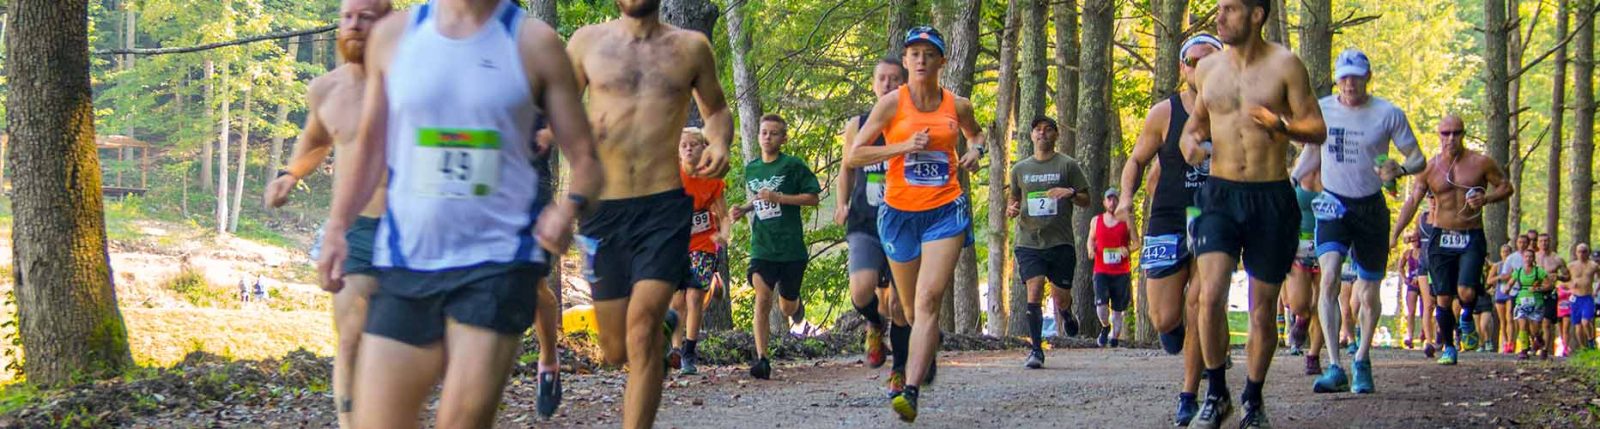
x,y
923,180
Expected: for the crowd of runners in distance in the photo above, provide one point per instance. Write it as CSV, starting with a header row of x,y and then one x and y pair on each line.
x,y
444,217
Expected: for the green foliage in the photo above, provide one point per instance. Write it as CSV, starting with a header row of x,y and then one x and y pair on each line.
x,y
192,285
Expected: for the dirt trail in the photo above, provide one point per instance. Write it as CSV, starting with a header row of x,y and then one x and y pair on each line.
x,y
1078,388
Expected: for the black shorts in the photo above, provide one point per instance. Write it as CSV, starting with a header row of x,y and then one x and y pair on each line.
x,y
412,306
1551,309
1455,260
1055,264
360,239
635,239
1485,304
1112,289
1357,228
1258,222
1425,232
785,277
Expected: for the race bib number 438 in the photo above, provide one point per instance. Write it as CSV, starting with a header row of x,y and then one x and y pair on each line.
x,y
456,163
927,168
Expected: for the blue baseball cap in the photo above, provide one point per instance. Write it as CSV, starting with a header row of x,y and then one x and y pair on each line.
x,y
925,34
1351,62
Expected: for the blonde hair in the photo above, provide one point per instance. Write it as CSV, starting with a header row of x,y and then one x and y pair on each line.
x,y
697,134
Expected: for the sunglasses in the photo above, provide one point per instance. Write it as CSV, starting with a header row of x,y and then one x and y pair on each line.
x,y
1450,133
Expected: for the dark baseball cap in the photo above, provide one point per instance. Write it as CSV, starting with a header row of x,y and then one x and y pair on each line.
x,y
925,34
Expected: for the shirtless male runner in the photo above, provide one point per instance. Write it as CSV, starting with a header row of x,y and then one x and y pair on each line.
x,y
1546,256
458,248
1460,181
1582,270
1165,258
640,74
1254,98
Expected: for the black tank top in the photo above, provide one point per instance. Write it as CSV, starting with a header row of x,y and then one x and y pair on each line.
x,y
863,216
1176,186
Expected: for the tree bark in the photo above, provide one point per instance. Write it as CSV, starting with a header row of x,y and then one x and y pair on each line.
x,y
747,89
1066,23
998,248
222,156
275,155
1558,97
1496,112
66,304
244,150
545,10
1035,73
1519,162
697,15
1582,182
1094,132
206,178
1169,38
902,13
958,76
1316,44
1277,28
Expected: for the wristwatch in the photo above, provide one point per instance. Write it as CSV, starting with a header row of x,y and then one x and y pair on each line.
x,y
1283,124
983,150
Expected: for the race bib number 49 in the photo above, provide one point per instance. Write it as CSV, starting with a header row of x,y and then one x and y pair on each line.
x,y
927,168
1040,204
456,163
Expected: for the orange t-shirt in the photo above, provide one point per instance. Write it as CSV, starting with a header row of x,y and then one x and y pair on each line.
x,y
704,221
923,180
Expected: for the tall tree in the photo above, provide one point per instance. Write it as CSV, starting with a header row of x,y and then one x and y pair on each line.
x,y
1558,97
1277,27
1316,43
958,76
997,176
1496,112
1066,23
244,150
206,148
223,132
902,14
747,90
1580,174
1094,132
66,304
1514,48
697,15
1034,71
1169,28
275,153
545,10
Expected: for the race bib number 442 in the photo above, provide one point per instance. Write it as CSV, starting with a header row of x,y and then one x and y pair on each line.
x,y
456,163
1161,251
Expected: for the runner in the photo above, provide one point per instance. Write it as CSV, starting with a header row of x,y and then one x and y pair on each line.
x,y
1500,277
1109,241
1352,216
456,256
1305,275
1461,181
1531,282
778,185
1415,304
708,235
1165,257
1487,320
1548,259
1044,229
1582,286
924,221
1507,266
1248,206
860,193
640,74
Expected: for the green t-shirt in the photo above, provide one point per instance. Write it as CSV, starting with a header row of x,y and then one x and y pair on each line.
x,y
1045,222
776,232
1525,278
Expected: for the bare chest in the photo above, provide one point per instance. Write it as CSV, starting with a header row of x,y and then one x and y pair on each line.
x,y
340,110
622,68
1228,90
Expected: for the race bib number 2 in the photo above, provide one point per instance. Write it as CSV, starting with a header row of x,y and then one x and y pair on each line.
x,y
456,163
1040,204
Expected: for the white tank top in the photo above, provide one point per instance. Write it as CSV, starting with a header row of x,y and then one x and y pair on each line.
x,y
463,189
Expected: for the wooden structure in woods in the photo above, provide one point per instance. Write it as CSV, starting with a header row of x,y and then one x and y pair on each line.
x,y
112,184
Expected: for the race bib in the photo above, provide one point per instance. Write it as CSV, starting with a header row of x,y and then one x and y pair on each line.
x,y
875,189
1161,251
456,163
1306,250
1113,256
1454,240
927,168
766,210
701,222
588,246
1040,204
1327,207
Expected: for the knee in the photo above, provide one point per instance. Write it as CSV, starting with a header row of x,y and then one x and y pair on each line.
x,y
1165,321
613,352
644,339
1212,301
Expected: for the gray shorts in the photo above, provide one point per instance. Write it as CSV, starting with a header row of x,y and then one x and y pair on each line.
x,y
866,253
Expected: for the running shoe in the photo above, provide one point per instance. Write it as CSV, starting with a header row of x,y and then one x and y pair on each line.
x,y
1351,349
549,393
1297,333
1409,344
1332,381
1188,406
1361,377
1035,360
1255,417
799,313
1115,343
1213,412
875,349
905,404
897,383
1428,350
674,358
1313,365
1294,350
1448,357
1104,339
1173,344
691,359
1469,341
1069,324
761,369
1522,355
669,325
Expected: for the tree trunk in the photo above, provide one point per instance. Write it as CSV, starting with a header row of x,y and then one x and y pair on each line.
x,y
275,156
998,248
1035,72
697,15
1496,111
902,13
1582,183
222,156
963,43
66,304
1316,44
1169,38
130,23
1514,103
1558,97
1094,117
244,150
545,10
1277,29
1066,23
747,89
206,148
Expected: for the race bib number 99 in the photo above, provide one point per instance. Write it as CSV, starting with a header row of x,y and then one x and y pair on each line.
x,y
456,163
1454,240
927,168
1161,251
702,222
1040,204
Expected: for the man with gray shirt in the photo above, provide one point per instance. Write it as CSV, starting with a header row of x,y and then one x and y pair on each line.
x,y
1352,217
1044,187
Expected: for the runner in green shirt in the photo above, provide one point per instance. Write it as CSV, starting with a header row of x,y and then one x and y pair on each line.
x,y
1531,284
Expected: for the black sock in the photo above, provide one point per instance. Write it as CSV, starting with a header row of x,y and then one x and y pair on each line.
x,y
899,345
910,391
870,312
1447,325
1252,392
689,347
1036,325
1219,382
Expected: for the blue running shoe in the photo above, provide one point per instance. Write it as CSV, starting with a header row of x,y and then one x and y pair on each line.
x,y
1361,376
1188,406
1448,357
1333,380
